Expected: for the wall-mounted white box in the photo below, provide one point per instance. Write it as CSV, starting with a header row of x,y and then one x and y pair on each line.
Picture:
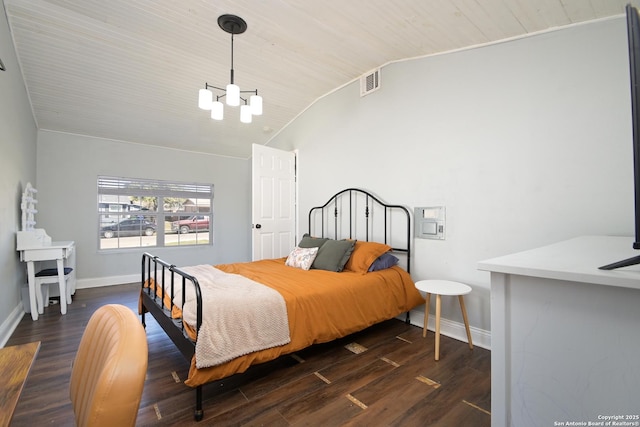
x,y
429,222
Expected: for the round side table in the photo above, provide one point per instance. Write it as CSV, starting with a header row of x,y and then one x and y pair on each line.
x,y
439,288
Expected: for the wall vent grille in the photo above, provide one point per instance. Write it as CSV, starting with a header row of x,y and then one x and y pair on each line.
x,y
370,82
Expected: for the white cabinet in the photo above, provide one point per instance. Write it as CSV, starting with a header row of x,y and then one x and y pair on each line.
x,y
565,336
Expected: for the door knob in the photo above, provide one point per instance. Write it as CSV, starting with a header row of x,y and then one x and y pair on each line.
x,y
258,225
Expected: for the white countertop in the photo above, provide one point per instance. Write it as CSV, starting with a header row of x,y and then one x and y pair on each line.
x,y
574,260
51,245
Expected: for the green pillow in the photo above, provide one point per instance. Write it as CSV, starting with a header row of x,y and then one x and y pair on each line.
x,y
333,255
311,242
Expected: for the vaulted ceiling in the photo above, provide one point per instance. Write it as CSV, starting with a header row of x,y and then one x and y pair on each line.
x,y
131,69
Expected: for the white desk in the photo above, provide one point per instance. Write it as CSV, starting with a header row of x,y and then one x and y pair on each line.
x,y
565,340
58,251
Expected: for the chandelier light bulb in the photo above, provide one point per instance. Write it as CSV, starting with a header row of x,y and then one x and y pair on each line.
x,y
233,95
255,101
205,99
245,114
217,110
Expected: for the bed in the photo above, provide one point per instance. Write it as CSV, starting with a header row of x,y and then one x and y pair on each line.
x,y
350,271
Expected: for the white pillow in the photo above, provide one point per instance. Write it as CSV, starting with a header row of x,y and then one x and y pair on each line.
x,y
301,257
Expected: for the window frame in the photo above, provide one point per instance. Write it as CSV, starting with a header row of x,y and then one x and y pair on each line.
x,y
133,190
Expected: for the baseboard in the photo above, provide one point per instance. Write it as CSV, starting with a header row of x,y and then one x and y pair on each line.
x,y
10,324
481,338
107,281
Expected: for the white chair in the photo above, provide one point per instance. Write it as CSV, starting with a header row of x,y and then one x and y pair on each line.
x,y
50,276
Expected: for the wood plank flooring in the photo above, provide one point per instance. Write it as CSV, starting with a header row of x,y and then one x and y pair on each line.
x,y
383,376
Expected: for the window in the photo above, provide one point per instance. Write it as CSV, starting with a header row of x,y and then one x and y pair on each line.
x,y
135,213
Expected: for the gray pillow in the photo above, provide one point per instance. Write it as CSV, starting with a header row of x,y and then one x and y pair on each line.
x,y
386,260
333,255
311,242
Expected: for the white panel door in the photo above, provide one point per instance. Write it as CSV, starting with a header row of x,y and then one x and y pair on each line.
x,y
273,194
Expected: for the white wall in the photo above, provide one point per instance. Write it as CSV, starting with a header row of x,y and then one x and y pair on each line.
x,y
525,142
68,167
17,167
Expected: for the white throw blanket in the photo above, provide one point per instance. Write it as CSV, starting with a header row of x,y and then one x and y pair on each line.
x,y
240,316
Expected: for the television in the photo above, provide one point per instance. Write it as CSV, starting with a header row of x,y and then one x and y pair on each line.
x,y
633,35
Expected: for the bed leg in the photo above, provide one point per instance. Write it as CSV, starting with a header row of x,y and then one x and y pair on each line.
x,y
198,414
408,319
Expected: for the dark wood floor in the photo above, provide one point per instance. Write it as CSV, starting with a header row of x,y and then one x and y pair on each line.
x,y
393,381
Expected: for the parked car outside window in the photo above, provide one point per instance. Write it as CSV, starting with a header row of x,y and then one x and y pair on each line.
x,y
192,223
129,227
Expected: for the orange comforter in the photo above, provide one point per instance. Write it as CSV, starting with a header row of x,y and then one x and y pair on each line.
x,y
321,307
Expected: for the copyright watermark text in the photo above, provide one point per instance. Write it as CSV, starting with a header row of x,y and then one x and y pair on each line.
x,y
603,420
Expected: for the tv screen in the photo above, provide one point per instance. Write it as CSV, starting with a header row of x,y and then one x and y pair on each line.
x,y
633,36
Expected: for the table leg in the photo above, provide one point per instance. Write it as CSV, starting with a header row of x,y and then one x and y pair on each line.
x,y
438,308
71,283
63,287
426,315
466,320
33,302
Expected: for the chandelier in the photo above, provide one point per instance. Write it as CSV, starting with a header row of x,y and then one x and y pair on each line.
x,y
231,24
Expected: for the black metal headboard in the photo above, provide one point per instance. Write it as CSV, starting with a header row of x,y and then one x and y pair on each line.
x,y
357,214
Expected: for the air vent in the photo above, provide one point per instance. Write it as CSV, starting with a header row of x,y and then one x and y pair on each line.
x,y
370,82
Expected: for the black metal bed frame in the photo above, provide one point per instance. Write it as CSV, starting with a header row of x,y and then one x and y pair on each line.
x,y
174,328
351,213
338,214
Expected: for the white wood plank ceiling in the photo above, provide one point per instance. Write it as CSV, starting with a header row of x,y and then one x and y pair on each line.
x,y
131,69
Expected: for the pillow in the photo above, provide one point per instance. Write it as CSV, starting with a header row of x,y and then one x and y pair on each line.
x,y
301,257
333,255
364,254
311,242
386,260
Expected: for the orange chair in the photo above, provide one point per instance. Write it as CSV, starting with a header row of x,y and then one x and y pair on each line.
x,y
109,369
